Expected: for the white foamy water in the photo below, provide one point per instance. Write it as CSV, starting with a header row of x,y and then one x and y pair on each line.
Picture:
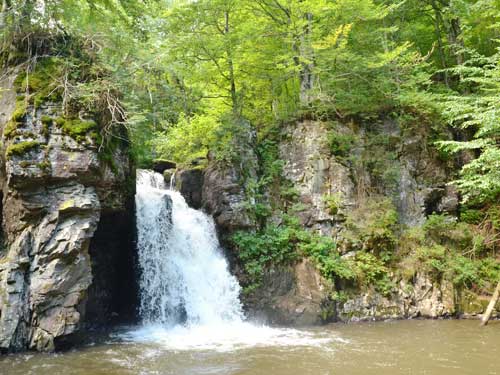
x,y
189,299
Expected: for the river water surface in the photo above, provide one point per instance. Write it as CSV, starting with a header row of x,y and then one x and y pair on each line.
x,y
399,347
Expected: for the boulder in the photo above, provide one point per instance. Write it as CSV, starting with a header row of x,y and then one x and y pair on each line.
x,y
160,165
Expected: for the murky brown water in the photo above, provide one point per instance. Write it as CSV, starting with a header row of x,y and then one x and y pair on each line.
x,y
401,347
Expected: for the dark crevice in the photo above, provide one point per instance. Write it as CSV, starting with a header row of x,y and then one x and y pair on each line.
x,y
113,295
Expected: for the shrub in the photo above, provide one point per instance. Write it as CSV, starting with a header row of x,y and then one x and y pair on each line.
x,y
341,144
372,226
333,202
372,271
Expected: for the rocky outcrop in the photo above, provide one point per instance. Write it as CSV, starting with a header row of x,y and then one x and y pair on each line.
x,y
316,174
292,295
55,190
190,184
421,298
224,187
334,167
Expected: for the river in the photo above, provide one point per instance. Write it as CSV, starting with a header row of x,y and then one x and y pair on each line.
x,y
398,347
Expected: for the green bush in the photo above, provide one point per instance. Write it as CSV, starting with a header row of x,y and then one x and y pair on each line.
x,y
333,202
371,271
372,226
471,216
341,144
278,245
323,250
272,246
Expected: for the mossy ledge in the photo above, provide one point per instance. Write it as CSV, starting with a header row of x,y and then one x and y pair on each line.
x,y
46,123
78,129
42,83
10,129
21,148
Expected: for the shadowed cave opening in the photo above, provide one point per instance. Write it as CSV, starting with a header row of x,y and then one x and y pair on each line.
x,y
113,295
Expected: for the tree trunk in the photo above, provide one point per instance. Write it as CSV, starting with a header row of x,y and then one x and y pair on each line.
x,y
306,63
491,306
456,40
438,21
3,11
232,82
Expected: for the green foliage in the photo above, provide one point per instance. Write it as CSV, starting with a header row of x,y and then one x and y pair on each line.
x,y
445,248
18,149
446,229
471,216
323,251
371,271
477,110
341,144
333,202
272,246
372,226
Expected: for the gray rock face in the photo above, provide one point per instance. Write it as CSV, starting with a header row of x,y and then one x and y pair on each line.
x,y
53,197
292,295
410,174
422,298
190,185
316,174
224,197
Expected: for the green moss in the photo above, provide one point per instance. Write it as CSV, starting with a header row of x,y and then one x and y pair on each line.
x,y
42,82
77,129
44,165
46,123
45,73
20,111
21,148
10,129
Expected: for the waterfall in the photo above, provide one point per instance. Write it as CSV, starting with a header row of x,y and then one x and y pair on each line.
x,y
189,299
184,276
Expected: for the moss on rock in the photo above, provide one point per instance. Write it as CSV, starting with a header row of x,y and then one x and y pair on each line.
x,y
76,128
41,84
46,123
10,129
20,111
21,148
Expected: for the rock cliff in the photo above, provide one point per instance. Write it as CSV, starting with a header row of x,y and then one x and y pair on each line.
x,y
337,169
56,192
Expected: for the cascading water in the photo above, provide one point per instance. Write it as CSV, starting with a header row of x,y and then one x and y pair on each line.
x,y
185,278
189,299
